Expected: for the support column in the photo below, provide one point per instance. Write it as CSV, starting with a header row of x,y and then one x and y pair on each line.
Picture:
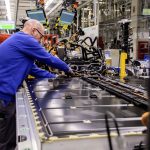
x,y
78,19
134,24
83,18
95,3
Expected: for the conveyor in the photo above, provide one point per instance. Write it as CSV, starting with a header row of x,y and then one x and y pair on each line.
x,y
69,114
130,92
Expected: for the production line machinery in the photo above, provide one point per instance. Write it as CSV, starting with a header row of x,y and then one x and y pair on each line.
x,y
72,114
130,92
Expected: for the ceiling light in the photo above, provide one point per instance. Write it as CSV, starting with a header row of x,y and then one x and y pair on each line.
x,y
48,3
7,3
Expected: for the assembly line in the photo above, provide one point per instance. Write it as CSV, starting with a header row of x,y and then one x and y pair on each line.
x,y
74,74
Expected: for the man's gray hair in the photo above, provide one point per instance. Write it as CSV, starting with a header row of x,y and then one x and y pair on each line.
x,y
33,23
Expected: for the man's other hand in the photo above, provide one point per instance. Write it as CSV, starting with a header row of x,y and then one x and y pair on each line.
x,y
70,73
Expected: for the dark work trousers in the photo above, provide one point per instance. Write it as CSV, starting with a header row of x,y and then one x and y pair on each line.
x,y
7,126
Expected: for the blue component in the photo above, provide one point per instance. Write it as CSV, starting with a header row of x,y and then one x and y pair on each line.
x,y
146,57
37,14
67,17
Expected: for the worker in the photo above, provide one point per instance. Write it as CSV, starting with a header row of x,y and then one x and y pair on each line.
x,y
17,56
145,118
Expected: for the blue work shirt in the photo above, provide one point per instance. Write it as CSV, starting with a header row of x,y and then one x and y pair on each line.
x,y
17,56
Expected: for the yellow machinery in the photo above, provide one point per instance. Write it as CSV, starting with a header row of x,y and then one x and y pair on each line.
x,y
123,58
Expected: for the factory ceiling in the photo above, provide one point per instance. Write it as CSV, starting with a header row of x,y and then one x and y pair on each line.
x,y
16,9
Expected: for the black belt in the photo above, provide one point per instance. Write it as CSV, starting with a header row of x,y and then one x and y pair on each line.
x,y
2,103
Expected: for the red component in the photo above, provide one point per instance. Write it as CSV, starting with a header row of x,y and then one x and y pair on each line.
x,y
142,49
41,2
50,40
3,37
75,5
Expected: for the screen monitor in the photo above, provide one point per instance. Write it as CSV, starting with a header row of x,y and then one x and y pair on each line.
x,y
7,25
146,11
146,8
37,14
66,17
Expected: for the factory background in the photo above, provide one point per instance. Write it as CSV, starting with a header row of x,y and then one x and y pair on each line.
x,y
105,104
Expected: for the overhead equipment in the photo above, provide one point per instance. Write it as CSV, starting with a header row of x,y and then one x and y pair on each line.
x,y
37,14
66,17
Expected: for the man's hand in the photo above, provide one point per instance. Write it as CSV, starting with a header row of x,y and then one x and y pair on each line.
x,y
61,76
70,73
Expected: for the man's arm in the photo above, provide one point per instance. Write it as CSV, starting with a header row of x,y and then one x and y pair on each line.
x,y
39,73
30,47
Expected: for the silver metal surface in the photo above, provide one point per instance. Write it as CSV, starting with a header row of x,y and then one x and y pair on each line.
x,y
26,137
30,126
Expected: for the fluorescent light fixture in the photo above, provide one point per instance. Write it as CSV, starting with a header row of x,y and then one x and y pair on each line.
x,y
48,3
7,2
55,7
